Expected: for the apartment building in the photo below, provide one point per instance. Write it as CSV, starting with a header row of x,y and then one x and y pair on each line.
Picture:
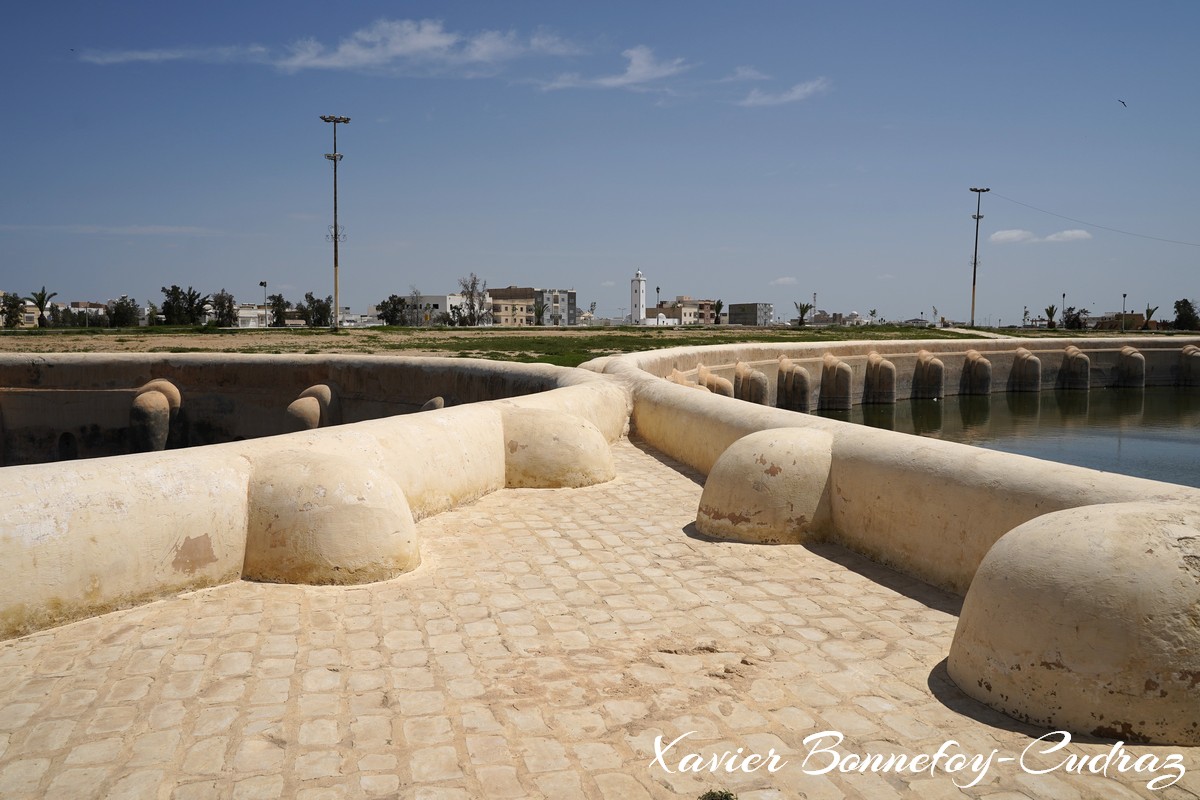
x,y
758,314
519,305
687,311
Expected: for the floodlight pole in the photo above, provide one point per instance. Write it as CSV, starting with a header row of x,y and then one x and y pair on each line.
x,y
975,260
335,233
1123,311
266,316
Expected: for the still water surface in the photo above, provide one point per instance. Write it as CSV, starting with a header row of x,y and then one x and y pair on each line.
x,y
1151,433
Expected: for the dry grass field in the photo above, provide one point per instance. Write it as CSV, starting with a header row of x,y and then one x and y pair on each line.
x,y
565,347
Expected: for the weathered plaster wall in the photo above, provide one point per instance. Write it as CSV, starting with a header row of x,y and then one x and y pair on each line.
x,y
928,508
84,537
227,397
1163,363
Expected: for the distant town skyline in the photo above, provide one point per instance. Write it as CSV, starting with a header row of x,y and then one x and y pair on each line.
x,y
749,154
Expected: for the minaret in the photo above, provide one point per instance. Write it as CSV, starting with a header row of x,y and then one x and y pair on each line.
x,y
637,299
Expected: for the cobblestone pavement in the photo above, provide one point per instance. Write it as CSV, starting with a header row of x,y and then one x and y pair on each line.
x,y
546,641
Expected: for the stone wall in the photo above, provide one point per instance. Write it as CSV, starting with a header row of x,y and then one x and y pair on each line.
x,y
225,398
1081,587
1106,363
88,536
929,508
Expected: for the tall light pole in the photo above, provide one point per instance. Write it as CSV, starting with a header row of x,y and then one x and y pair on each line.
x,y
1123,312
335,232
975,260
266,317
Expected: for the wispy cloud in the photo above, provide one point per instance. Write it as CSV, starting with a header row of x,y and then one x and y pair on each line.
x,y
643,69
1017,235
384,44
801,91
236,54
1011,236
115,230
745,74
1069,236
784,281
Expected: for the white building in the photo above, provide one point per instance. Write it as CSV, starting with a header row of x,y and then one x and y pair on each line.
x,y
250,315
431,307
637,299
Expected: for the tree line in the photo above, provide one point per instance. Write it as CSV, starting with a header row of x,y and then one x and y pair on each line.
x,y
178,307
473,311
1186,318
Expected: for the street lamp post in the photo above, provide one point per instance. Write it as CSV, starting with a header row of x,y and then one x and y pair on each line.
x,y
1123,312
975,260
266,317
335,233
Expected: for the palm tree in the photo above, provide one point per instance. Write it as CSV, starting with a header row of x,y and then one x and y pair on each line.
x,y
874,312
539,311
1050,312
1145,325
717,307
802,310
41,300
194,305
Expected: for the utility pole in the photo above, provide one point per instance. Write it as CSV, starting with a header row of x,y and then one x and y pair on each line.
x,y
335,233
266,314
975,260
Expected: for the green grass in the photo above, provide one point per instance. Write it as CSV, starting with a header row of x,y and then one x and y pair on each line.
x,y
571,348
566,347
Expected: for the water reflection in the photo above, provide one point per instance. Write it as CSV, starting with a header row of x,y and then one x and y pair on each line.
x,y
927,416
879,415
975,410
1153,433
1026,405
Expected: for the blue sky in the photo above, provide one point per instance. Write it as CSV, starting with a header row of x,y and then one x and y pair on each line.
x,y
760,151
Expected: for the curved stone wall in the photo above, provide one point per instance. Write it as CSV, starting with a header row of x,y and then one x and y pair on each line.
x,y
1081,617
87,536
336,503
218,398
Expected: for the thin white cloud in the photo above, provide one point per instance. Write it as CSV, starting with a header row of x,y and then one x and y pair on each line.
x,y
643,69
1017,235
115,230
548,43
384,44
801,91
237,54
745,74
1011,236
1069,236
784,281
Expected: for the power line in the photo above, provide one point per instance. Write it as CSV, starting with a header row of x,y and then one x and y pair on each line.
x,y
1094,225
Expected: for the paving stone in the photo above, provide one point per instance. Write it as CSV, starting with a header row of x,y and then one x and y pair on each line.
x,y
546,641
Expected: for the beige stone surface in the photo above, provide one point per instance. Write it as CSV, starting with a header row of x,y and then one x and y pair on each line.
x,y
770,487
1089,619
94,535
548,637
547,449
332,519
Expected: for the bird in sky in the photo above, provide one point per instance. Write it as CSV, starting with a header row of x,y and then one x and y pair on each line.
x,y
1122,102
